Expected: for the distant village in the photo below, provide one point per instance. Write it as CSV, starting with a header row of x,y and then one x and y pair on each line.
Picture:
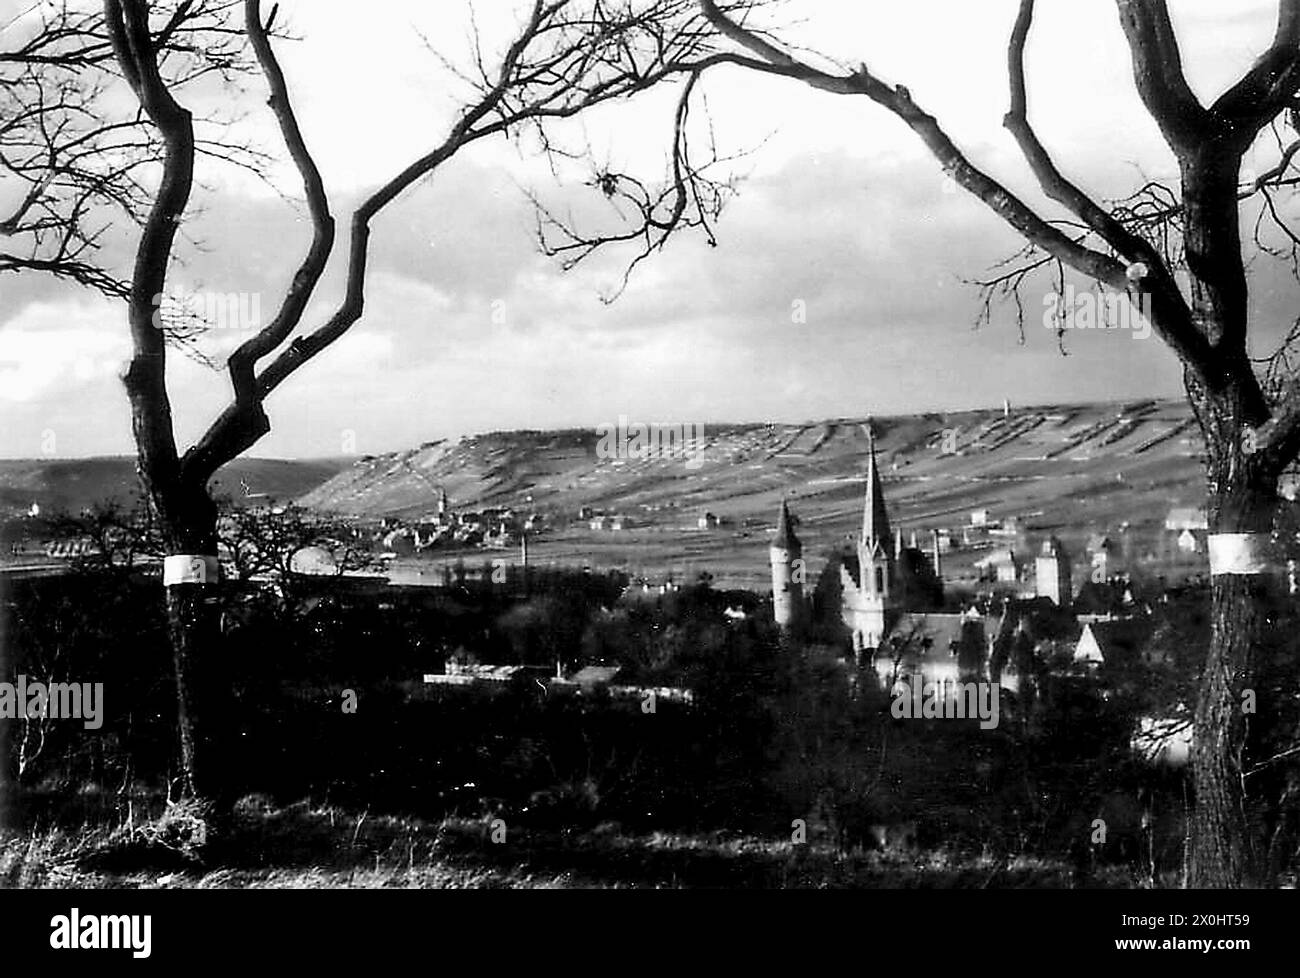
x,y
888,598
1041,610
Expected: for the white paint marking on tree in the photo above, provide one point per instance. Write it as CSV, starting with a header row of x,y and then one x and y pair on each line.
x,y
1238,553
190,569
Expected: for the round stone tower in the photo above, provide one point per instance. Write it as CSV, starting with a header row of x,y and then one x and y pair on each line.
x,y
786,554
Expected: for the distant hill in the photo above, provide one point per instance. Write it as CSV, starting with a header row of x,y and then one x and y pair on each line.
x,y
74,484
1053,466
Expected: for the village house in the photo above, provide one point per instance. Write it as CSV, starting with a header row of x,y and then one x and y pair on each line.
x,y
1002,566
933,648
1113,641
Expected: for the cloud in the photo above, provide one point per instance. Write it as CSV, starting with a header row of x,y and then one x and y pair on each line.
x,y
836,287
57,349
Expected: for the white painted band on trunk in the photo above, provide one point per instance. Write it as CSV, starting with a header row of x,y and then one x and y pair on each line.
x,y
1238,553
190,569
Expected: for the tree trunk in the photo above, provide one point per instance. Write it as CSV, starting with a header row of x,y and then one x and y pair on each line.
x,y
1225,852
1241,496
194,627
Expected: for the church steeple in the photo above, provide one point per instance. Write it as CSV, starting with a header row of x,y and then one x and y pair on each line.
x,y
875,521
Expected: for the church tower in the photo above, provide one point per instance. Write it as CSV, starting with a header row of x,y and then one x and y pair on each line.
x,y
786,554
877,567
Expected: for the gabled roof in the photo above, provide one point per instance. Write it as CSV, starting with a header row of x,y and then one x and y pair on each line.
x,y
1118,641
936,637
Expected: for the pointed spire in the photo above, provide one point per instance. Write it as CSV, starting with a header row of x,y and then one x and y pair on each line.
x,y
875,521
785,538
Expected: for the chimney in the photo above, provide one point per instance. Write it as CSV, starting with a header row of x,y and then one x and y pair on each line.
x,y
934,547
898,544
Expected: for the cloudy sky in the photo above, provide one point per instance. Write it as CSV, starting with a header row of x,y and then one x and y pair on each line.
x,y
841,213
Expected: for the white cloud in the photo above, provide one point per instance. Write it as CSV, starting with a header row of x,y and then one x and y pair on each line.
x,y
467,328
56,348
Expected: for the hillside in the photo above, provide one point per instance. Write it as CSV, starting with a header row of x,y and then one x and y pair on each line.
x,y
1058,468
73,484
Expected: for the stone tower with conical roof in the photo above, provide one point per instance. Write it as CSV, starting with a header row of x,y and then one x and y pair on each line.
x,y
786,554
870,589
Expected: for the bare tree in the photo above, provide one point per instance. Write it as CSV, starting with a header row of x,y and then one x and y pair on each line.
x,y
73,160
263,545
1139,245
566,57
116,535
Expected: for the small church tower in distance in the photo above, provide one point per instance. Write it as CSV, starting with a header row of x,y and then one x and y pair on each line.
x,y
786,554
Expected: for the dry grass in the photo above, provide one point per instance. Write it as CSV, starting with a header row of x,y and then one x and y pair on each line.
x,y
307,847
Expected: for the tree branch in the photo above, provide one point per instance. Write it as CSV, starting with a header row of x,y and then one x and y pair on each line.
x,y
145,378
248,418
1158,73
1268,88
1171,316
564,60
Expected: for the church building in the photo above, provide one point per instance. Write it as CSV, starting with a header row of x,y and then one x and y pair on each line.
x,y
879,581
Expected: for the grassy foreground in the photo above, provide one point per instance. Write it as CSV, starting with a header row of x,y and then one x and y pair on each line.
x,y
313,847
